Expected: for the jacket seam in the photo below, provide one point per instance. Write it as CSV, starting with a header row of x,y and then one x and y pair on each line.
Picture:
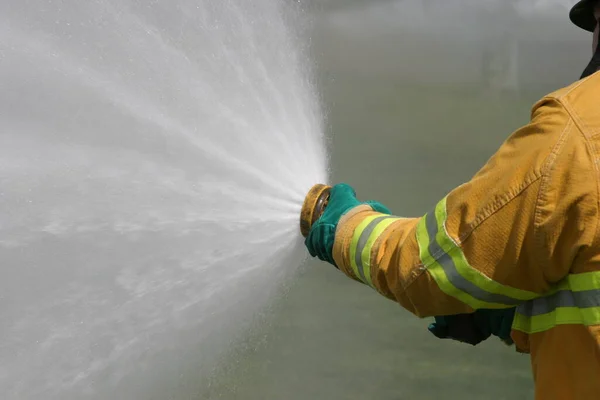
x,y
546,175
377,245
495,207
416,270
535,176
583,128
597,230
420,268
505,199
594,161
581,125
575,86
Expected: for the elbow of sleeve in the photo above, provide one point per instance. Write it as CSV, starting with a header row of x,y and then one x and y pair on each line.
x,y
383,252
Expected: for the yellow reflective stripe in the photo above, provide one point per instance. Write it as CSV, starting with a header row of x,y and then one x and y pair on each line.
x,y
575,300
467,271
354,244
560,316
423,241
454,275
366,251
578,282
584,281
437,272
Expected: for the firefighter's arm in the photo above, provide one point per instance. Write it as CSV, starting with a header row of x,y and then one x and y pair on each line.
x,y
496,241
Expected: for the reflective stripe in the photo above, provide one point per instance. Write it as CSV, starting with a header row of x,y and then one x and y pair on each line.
x,y
353,246
562,299
576,300
448,265
368,247
364,237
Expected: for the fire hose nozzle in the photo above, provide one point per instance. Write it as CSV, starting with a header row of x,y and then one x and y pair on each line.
x,y
314,205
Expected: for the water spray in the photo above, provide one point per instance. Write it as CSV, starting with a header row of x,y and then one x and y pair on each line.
x,y
314,205
192,246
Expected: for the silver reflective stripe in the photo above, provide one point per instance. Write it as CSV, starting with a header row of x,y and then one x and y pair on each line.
x,y
561,299
362,242
457,280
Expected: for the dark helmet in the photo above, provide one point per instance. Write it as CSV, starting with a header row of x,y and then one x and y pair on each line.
x,y
582,14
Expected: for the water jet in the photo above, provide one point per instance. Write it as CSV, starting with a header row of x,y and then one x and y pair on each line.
x,y
154,159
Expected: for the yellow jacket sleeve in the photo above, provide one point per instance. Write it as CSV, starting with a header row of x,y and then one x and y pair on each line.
x,y
503,238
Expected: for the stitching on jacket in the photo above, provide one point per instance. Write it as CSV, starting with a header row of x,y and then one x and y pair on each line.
x,y
377,245
549,164
416,271
503,201
592,150
546,171
488,212
575,86
420,268
594,153
583,127
509,196
498,205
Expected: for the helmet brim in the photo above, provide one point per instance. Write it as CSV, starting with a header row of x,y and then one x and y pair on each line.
x,y
582,15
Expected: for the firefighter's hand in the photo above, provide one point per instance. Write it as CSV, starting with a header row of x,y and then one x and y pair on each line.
x,y
321,237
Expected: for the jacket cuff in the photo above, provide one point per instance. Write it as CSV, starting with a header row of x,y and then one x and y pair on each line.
x,y
343,237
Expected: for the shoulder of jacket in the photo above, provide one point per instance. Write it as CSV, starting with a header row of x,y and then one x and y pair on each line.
x,y
581,101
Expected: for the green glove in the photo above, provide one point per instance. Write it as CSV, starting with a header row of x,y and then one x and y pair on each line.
x,y
342,199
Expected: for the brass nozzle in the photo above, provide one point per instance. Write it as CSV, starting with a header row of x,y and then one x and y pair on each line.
x,y
314,204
